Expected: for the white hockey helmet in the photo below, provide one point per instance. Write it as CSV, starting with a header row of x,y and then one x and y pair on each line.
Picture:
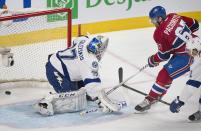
x,y
98,46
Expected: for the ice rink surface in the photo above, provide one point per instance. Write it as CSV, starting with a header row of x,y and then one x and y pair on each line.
x,y
130,50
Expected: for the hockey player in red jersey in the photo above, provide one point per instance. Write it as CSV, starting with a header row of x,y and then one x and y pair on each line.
x,y
171,35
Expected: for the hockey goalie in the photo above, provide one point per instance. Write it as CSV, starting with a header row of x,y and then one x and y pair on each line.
x,y
74,75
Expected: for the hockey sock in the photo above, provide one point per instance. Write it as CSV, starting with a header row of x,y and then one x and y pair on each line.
x,y
156,92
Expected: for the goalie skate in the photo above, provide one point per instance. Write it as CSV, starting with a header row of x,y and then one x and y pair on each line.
x,y
195,116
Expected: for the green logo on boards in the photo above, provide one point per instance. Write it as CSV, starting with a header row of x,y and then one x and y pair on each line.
x,y
72,4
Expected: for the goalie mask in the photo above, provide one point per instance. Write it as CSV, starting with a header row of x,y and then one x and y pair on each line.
x,y
98,46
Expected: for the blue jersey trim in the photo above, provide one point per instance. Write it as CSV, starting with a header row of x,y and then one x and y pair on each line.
x,y
194,83
87,81
178,43
165,56
195,26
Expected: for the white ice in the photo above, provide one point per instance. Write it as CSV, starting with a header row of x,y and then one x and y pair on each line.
x,y
128,49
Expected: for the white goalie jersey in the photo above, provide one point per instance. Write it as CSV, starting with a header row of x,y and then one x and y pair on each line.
x,y
80,64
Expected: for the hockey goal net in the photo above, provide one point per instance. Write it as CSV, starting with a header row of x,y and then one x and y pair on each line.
x,y
32,36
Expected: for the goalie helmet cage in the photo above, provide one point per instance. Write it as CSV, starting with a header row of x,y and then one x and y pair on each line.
x,y
32,37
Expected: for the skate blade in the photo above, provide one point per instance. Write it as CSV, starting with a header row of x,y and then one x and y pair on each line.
x,y
140,112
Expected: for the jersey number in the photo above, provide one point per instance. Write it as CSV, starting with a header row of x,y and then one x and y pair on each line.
x,y
72,55
183,32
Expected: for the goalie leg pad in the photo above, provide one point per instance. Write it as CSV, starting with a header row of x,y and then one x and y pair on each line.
x,y
70,102
44,107
62,103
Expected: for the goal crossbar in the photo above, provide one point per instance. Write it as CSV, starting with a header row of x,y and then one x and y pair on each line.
x,y
45,12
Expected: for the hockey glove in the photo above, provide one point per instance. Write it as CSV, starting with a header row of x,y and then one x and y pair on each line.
x,y
151,62
176,105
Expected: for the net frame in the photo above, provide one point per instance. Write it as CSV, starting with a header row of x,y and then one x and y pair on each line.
x,y
34,14
45,12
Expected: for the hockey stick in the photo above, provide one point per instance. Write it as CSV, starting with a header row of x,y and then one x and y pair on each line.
x,y
93,110
135,90
120,71
142,93
123,82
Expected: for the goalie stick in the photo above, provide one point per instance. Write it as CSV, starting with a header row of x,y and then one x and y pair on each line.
x,y
120,71
107,93
121,82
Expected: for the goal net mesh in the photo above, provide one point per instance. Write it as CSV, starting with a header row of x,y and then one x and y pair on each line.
x,y
32,37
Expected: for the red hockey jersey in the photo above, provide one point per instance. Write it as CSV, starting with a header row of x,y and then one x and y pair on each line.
x,y
167,38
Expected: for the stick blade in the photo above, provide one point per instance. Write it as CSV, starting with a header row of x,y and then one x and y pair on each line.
x,y
120,72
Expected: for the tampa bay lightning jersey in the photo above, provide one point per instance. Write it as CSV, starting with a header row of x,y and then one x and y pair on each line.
x,y
78,63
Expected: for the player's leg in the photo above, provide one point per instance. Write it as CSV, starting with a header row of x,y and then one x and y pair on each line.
x,y
197,115
177,66
193,85
163,82
191,88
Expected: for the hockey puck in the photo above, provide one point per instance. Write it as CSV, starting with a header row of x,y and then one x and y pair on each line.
x,y
7,92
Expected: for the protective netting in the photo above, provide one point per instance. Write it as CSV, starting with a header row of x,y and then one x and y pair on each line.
x,y
31,40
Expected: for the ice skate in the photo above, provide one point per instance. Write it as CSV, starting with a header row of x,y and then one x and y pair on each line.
x,y
143,106
195,116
